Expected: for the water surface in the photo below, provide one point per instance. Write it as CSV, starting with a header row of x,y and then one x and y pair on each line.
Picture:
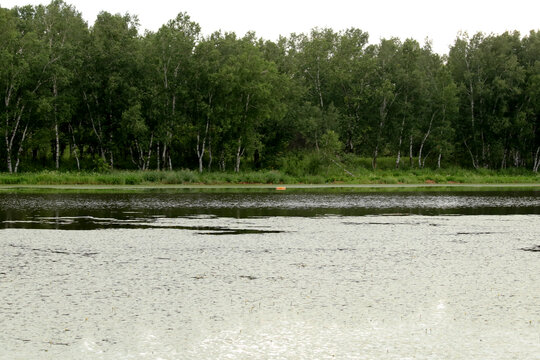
x,y
87,211
270,276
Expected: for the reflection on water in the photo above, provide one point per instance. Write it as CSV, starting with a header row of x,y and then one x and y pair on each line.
x,y
91,222
145,277
93,211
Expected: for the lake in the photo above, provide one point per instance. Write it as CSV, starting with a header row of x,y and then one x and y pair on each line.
x,y
302,274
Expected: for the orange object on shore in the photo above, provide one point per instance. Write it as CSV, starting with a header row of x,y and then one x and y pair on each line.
x,y
281,188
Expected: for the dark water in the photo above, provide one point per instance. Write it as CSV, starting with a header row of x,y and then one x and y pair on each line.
x,y
76,211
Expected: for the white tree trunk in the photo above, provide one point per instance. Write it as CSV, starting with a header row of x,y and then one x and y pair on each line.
x,y
210,154
10,135
75,147
474,162
147,165
201,146
158,157
503,162
420,162
398,159
222,163
57,147
20,149
239,154
57,135
95,129
111,158
536,164
8,155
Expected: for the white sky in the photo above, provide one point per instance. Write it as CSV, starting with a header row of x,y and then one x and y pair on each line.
x,y
437,20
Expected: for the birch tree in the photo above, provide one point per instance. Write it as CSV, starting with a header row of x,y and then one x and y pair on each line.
x,y
62,30
21,74
172,49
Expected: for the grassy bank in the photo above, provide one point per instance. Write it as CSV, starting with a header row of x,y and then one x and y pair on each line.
x,y
360,176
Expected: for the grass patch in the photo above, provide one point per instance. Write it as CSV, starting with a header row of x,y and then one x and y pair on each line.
x,y
329,173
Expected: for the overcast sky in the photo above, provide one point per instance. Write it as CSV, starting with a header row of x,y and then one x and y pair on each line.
x,y
440,21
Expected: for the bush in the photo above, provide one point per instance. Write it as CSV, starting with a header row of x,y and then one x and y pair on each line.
x,y
100,165
131,180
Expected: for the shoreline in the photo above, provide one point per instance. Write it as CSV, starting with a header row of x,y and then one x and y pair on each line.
x,y
188,180
6,188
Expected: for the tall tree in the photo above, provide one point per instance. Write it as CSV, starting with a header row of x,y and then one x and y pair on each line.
x,y
314,55
24,63
171,53
111,78
62,30
387,90
351,80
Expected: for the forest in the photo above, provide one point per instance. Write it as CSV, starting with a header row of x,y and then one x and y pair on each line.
x,y
78,97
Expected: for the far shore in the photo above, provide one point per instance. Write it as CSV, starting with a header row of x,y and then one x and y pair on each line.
x,y
358,179
275,187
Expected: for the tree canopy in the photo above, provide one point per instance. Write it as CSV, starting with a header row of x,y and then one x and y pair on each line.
x,y
105,96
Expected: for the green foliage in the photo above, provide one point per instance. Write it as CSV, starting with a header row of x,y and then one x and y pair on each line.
x,y
99,164
323,106
335,175
330,143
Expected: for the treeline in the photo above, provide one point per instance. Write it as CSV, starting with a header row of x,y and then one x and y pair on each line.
x,y
102,97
